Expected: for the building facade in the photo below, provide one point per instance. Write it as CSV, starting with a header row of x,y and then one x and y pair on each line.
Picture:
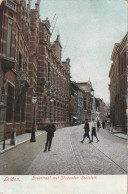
x,y
89,110
100,109
30,65
53,80
118,86
76,104
15,38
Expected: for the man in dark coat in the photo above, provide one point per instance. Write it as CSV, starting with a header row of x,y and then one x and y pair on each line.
x,y
50,129
86,129
98,125
103,124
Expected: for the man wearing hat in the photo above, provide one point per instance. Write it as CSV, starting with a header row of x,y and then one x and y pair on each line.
x,y
86,129
94,130
50,129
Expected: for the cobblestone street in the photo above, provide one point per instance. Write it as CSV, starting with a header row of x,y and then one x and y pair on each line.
x,y
68,155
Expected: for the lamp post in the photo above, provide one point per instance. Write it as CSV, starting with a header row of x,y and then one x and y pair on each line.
x,y
34,101
2,116
51,101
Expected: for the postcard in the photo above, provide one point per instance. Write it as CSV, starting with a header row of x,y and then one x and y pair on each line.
x,y
63,96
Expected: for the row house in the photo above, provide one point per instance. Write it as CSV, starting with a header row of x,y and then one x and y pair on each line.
x,y
118,86
30,66
88,101
76,104
100,109
107,113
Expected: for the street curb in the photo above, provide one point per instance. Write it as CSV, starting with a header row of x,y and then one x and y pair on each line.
x,y
114,133
120,137
3,151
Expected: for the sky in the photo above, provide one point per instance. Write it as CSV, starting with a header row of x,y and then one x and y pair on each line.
x,y
88,30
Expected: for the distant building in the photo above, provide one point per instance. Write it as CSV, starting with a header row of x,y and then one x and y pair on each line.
x,y
118,86
107,112
89,110
100,109
76,104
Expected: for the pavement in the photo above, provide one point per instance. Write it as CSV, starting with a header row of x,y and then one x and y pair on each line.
x,y
20,139
26,137
119,134
67,156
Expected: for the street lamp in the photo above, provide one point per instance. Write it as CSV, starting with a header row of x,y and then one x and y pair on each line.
x,y
2,122
51,101
34,101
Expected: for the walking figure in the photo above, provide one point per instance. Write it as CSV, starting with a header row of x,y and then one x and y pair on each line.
x,y
94,130
98,125
103,124
50,129
86,129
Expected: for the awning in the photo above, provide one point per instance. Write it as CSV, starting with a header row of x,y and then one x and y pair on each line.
x,y
75,117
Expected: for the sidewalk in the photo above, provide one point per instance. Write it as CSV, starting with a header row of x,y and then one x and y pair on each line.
x,y
26,137
116,133
119,134
19,140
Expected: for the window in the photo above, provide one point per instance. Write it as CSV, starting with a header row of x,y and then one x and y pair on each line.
x,y
48,72
45,107
20,108
125,67
17,110
61,113
25,67
121,65
9,34
20,62
23,108
9,112
58,112
54,111
50,110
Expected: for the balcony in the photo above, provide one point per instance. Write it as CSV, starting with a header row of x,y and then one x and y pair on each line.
x,y
7,64
23,78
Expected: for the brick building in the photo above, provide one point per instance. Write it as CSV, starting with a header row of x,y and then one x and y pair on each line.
x,y
31,66
76,104
53,80
15,38
118,86
88,100
100,109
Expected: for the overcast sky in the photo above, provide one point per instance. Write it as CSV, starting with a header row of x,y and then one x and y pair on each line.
x,y
88,30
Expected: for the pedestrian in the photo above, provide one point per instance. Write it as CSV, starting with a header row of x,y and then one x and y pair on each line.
x,y
86,129
94,130
98,125
103,124
50,129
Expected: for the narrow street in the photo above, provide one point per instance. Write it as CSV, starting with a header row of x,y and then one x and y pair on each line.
x,y
68,156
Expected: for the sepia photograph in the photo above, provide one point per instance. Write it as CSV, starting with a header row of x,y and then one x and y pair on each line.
x,y
63,96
